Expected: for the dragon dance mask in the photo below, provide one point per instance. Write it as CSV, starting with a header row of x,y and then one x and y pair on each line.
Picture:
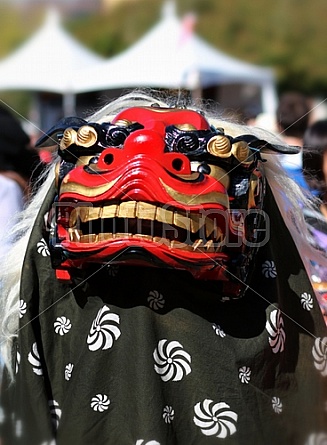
x,y
157,187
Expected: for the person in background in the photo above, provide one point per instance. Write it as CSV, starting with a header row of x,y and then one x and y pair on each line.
x,y
18,164
292,120
315,174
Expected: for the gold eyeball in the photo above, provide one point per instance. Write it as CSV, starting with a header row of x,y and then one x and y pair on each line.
x,y
186,127
242,152
219,146
69,138
86,136
123,123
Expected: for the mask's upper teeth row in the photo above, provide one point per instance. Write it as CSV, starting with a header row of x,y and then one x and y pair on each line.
x,y
192,222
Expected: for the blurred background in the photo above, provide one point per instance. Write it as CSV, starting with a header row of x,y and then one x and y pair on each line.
x,y
284,38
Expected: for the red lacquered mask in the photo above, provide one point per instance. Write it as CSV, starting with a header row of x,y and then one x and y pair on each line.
x,y
157,187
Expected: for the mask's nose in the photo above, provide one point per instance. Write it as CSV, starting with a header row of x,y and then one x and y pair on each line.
x,y
145,146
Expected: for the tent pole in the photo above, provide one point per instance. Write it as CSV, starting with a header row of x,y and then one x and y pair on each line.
x,y
69,104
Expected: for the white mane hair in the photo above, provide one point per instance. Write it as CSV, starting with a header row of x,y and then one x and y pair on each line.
x,y
288,195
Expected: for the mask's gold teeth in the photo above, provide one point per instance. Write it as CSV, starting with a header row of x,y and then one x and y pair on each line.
x,y
130,215
127,209
164,216
146,211
198,243
105,236
181,221
209,246
109,211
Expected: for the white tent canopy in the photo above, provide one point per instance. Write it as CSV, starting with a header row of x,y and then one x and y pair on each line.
x,y
172,56
47,62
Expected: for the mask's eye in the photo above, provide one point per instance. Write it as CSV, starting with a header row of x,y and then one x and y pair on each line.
x,y
186,139
117,133
186,143
116,136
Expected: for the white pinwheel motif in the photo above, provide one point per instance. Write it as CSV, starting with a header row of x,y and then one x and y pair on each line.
x,y
68,371
275,328
100,403
218,330
319,352
171,361
55,413
269,269
168,414
35,361
277,405
22,308
307,301
244,374
42,248
104,330
150,442
17,361
215,419
156,300
62,325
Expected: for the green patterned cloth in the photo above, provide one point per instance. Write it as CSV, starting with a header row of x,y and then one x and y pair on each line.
x,y
137,356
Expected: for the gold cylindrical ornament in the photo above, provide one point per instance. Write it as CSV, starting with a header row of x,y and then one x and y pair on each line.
x,y
219,146
69,138
242,152
86,136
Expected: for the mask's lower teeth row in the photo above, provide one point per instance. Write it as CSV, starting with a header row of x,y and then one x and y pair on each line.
x,y
205,246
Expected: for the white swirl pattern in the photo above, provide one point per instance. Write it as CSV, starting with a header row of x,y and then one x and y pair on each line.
x,y
275,328
171,361
68,371
319,352
42,248
55,413
104,330
100,403
22,308
269,269
34,360
17,362
215,419
168,414
244,374
277,405
156,300
218,330
307,301
62,325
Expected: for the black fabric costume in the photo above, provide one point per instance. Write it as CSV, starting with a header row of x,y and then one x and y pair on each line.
x,y
143,356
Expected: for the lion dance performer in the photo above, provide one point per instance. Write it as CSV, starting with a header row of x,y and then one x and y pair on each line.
x,y
157,292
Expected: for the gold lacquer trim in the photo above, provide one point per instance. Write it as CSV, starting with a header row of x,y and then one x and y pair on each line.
x,y
219,146
215,197
73,187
